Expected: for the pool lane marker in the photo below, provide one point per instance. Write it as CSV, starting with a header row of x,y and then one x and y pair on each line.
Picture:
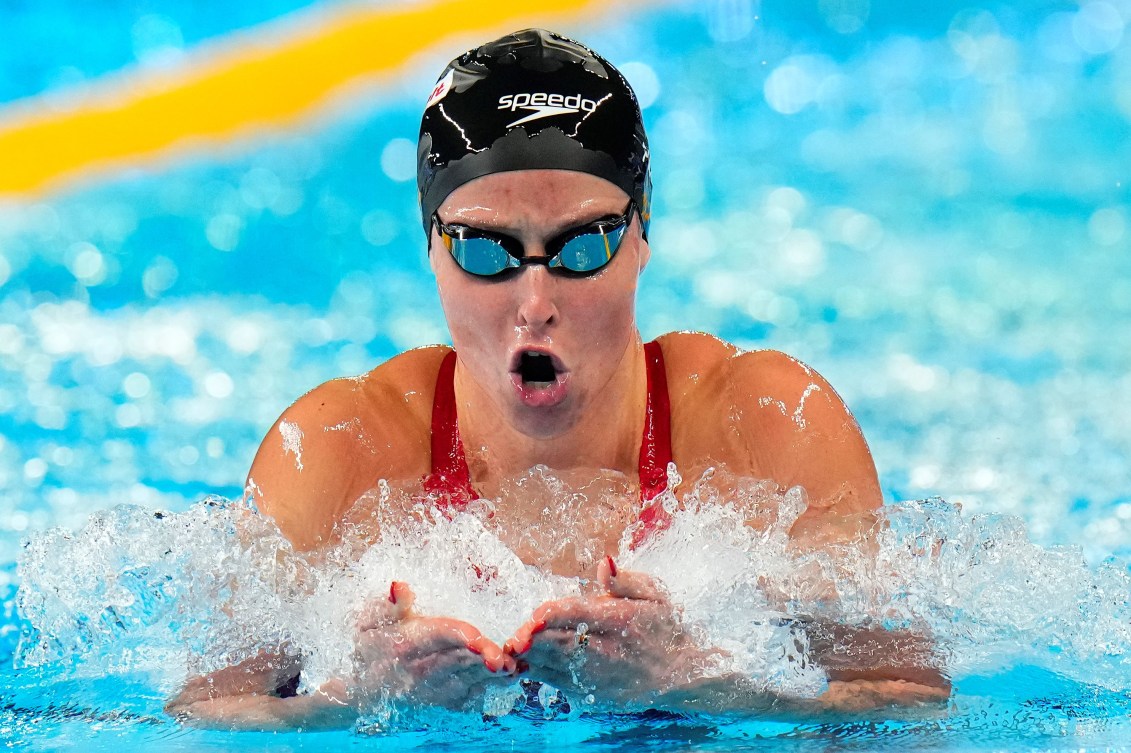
x,y
246,82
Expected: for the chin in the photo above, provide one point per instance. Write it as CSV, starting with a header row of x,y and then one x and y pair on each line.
x,y
544,422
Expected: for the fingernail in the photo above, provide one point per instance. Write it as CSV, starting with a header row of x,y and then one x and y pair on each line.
x,y
490,669
538,628
474,649
393,591
612,565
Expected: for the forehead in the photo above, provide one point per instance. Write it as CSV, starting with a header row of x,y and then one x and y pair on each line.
x,y
543,196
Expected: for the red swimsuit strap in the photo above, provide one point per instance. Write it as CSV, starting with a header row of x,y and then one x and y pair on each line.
x,y
450,478
655,446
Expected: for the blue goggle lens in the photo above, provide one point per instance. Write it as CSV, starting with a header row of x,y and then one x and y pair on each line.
x,y
480,256
581,251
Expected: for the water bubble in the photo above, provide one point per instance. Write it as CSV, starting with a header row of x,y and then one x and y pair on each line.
x,y
159,275
214,447
379,227
223,231
218,384
845,16
260,188
797,83
86,263
157,40
1056,38
127,416
1097,27
245,336
35,469
731,20
398,160
644,82
1107,226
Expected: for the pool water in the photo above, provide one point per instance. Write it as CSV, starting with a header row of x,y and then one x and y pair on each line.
x,y
928,205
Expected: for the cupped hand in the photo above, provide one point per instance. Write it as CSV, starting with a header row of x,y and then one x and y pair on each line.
x,y
624,645
437,660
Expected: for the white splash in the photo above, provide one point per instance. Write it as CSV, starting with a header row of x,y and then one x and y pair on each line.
x,y
292,441
347,425
169,594
799,412
766,402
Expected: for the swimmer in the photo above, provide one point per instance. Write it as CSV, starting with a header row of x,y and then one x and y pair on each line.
x,y
536,197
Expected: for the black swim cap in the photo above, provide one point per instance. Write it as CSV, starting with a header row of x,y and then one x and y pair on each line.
x,y
532,99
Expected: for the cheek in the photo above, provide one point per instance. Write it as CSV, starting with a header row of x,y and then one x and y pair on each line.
x,y
606,317
474,316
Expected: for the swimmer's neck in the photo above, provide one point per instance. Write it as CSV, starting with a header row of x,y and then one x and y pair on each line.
x,y
605,435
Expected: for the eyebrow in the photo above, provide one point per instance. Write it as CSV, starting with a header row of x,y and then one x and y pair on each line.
x,y
553,232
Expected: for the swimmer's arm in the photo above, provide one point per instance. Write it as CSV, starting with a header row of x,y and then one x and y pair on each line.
x,y
795,430
798,432
735,695
867,657
314,463
259,694
320,710
866,670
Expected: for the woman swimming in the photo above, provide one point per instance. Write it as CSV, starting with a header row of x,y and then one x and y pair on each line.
x,y
533,170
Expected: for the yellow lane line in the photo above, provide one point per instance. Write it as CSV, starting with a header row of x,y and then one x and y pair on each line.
x,y
128,118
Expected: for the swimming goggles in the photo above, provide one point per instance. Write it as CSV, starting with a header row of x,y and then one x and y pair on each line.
x,y
578,252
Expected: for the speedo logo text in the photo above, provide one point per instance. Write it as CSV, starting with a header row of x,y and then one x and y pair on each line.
x,y
544,105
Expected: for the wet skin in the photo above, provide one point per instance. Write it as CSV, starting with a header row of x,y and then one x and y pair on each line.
x,y
760,414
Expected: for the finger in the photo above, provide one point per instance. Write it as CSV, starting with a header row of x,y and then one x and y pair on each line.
x,y
520,642
629,584
494,658
599,614
428,635
385,610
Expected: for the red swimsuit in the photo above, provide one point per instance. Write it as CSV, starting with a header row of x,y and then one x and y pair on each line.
x,y
450,478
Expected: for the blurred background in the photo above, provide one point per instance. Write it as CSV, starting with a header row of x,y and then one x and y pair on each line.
x,y
206,209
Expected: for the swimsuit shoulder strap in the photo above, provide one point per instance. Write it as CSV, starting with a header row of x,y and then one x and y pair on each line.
x,y
656,443
450,478
655,447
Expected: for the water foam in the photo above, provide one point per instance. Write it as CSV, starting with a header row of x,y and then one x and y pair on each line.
x,y
168,595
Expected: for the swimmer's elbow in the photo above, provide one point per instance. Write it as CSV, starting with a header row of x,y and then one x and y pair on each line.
x,y
265,713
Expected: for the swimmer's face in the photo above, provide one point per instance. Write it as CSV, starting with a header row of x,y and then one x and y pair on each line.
x,y
581,328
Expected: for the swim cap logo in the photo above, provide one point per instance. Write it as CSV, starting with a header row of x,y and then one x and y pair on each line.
x,y
443,86
545,105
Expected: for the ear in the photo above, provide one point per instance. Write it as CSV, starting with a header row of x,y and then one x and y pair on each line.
x,y
432,241
644,253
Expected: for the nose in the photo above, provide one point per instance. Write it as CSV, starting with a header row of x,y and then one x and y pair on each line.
x,y
537,304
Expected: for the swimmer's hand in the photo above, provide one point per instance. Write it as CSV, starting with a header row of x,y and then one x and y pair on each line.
x,y
436,661
624,645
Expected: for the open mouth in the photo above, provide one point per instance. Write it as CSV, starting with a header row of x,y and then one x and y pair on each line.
x,y
539,377
536,369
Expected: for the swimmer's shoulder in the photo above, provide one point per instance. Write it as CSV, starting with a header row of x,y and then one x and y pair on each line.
x,y
768,415
730,405
336,441
702,365
386,412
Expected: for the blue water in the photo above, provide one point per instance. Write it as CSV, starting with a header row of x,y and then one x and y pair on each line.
x,y
929,205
